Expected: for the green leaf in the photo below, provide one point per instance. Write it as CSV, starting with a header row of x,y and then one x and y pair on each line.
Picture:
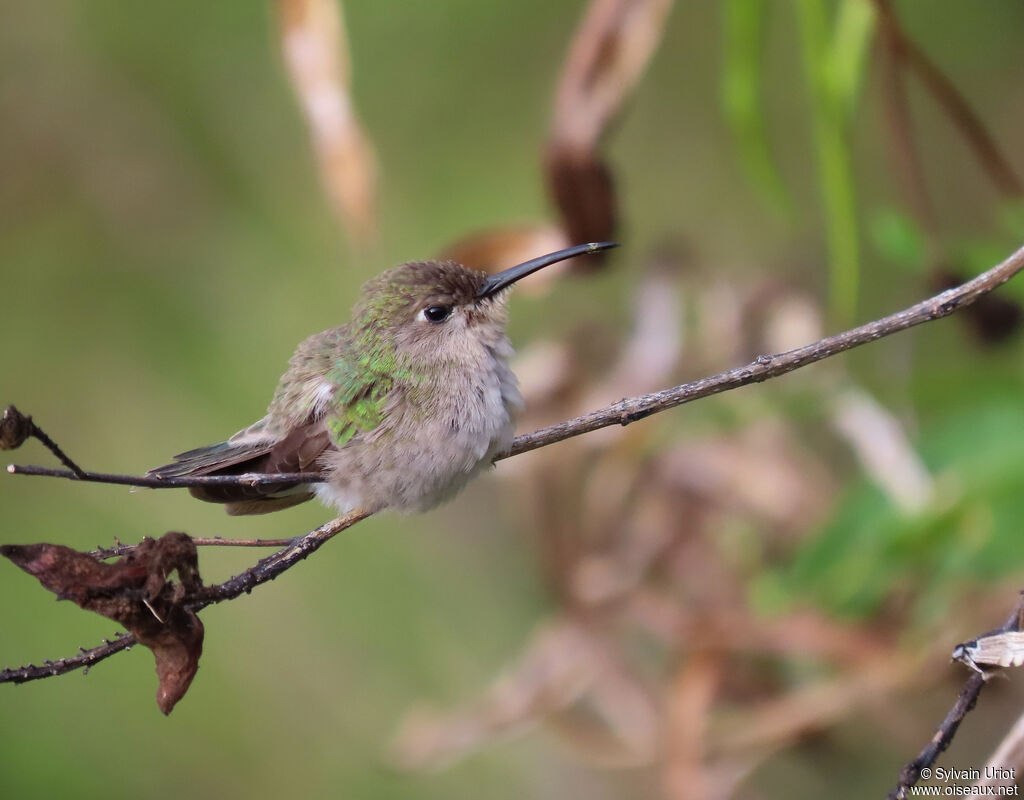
x,y
855,24
742,100
871,552
835,174
898,239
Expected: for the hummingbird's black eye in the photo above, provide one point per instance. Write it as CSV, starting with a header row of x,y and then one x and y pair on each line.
x,y
436,313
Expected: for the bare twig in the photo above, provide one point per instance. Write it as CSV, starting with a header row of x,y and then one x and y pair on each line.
x,y
199,541
911,772
272,566
85,659
246,479
763,367
15,428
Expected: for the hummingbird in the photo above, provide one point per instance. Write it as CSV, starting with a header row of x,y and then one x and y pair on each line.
x,y
397,409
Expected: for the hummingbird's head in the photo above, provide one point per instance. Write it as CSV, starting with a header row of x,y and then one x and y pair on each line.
x,y
441,311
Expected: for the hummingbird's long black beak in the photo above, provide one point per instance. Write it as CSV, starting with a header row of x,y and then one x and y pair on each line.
x,y
500,280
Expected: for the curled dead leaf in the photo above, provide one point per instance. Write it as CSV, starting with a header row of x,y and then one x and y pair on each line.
x,y
582,186
135,592
608,55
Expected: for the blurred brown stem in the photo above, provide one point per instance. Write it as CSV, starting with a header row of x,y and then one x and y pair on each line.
x,y
903,153
905,51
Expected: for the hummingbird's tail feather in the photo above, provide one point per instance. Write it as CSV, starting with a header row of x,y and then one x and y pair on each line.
x,y
253,451
209,459
265,505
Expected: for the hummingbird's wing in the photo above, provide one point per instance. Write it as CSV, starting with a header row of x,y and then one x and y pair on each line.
x,y
291,438
251,451
254,450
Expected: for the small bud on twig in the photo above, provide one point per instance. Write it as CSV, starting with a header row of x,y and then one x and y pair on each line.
x,y
15,428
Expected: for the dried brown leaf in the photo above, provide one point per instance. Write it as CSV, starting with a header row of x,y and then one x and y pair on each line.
x,y
316,55
133,591
582,186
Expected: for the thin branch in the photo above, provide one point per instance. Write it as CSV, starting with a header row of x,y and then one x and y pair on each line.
x,y
220,541
199,541
763,367
85,659
911,772
15,428
270,567
622,413
246,479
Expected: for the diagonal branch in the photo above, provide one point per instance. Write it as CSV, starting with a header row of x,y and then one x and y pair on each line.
x,y
84,660
621,413
762,368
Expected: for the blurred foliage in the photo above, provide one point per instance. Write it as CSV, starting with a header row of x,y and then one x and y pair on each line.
x,y
969,534
165,241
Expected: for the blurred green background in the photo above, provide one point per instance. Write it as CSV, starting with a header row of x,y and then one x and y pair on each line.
x,y
165,242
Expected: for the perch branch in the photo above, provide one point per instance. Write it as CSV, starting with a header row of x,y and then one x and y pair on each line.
x,y
622,413
632,409
199,541
247,479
